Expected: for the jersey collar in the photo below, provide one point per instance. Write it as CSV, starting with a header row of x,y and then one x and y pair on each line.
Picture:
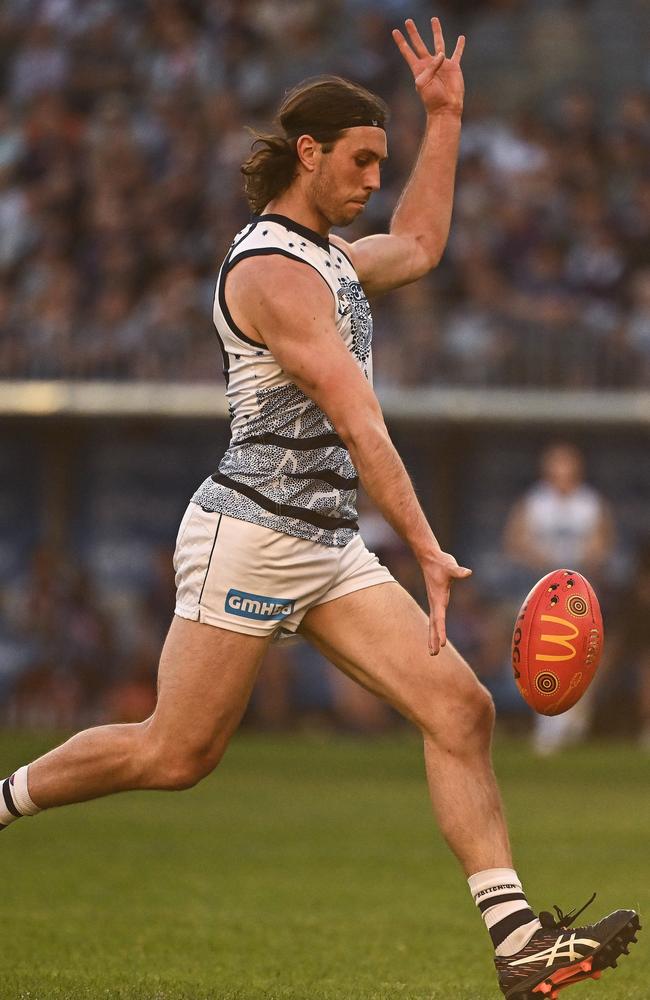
x,y
295,227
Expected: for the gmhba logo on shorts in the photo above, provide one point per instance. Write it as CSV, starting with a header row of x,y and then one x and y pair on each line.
x,y
238,602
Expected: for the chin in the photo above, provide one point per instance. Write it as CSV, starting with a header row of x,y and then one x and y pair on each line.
x,y
346,216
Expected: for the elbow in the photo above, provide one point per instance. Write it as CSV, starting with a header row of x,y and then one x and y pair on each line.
x,y
428,255
433,252
362,432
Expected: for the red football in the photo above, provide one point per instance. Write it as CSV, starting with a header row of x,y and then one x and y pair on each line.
x,y
557,642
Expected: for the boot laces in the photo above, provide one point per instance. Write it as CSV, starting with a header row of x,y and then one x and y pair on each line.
x,y
548,921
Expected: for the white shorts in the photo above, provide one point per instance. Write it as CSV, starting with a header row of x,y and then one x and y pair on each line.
x,y
248,578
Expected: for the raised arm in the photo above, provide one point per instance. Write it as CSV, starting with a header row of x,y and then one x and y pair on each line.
x,y
289,308
420,224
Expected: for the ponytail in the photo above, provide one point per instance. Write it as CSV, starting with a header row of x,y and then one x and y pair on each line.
x,y
269,170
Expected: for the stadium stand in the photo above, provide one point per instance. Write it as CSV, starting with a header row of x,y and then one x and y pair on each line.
x,y
122,127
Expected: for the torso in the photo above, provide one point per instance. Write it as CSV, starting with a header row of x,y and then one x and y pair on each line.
x,y
286,468
562,525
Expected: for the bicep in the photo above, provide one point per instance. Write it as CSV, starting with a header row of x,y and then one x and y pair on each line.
x,y
385,261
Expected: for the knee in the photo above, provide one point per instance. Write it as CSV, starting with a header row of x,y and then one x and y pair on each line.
x,y
175,769
180,772
467,723
485,712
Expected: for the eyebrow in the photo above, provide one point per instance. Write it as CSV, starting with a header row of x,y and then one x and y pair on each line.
x,y
370,152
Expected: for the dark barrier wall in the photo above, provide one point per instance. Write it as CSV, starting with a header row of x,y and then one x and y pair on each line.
x,y
90,511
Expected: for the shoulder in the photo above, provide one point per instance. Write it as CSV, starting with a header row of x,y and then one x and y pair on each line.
x,y
537,497
590,498
269,250
343,245
275,267
276,283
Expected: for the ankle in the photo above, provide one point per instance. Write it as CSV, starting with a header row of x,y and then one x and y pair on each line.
x,y
16,801
502,902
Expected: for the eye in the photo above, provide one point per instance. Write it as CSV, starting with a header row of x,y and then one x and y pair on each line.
x,y
361,161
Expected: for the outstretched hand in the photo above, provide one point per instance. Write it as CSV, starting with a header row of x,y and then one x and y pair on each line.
x,y
439,570
439,81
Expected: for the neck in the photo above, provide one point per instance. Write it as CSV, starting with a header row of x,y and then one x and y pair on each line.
x,y
566,489
293,204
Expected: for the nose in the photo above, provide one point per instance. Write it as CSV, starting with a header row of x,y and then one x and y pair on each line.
x,y
373,178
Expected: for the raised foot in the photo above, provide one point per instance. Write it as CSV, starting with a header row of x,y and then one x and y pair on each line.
x,y
607,942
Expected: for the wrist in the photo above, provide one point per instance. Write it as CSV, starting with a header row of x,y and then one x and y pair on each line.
x,y
426,550
453,111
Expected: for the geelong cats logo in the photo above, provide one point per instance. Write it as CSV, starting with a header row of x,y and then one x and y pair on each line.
x,y
353,302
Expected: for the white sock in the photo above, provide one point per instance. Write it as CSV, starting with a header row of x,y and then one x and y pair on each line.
x,y
15,800
508,917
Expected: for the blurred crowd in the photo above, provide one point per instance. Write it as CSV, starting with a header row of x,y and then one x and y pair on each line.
x,y
75,653
122,128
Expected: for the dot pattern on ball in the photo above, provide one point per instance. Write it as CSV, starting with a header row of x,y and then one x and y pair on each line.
x,y
577,606
546,682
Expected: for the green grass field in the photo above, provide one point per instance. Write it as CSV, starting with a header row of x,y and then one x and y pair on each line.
x,y
308,870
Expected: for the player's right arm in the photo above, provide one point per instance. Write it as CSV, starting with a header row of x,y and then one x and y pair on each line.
x,y
288,307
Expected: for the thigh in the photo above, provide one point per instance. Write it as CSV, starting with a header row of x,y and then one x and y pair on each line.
x,y
379,637
205,679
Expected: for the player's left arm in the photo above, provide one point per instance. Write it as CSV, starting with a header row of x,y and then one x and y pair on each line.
x,y
420,224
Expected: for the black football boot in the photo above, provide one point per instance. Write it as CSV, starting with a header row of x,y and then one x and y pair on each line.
x,y
558,956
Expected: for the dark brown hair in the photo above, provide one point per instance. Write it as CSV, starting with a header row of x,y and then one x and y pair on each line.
x,y
323,108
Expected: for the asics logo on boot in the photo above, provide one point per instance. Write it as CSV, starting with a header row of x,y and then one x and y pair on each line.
x,y
563,948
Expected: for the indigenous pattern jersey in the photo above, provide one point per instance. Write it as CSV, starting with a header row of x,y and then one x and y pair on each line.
x,y
286,468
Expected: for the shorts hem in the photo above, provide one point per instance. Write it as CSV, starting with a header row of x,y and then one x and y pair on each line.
x,y
191,614
199,615
353,586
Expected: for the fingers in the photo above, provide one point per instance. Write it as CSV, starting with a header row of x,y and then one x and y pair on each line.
x,y
414,52
416,39
405,49
439,595
437,633
425,77
460,48
434,642
438,38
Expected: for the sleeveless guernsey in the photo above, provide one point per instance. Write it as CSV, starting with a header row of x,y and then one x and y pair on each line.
x,y
286,467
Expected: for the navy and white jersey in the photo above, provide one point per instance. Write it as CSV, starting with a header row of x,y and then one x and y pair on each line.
x,y
286,467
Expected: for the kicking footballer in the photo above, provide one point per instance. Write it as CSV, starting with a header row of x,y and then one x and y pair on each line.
x,y
269,543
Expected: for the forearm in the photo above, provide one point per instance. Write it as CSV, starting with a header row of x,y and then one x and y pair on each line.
x,y
423,212
387,483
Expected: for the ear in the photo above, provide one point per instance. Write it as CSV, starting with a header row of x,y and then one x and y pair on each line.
x,y
308,152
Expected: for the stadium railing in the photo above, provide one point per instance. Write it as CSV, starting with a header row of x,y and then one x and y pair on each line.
x,y
455,405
